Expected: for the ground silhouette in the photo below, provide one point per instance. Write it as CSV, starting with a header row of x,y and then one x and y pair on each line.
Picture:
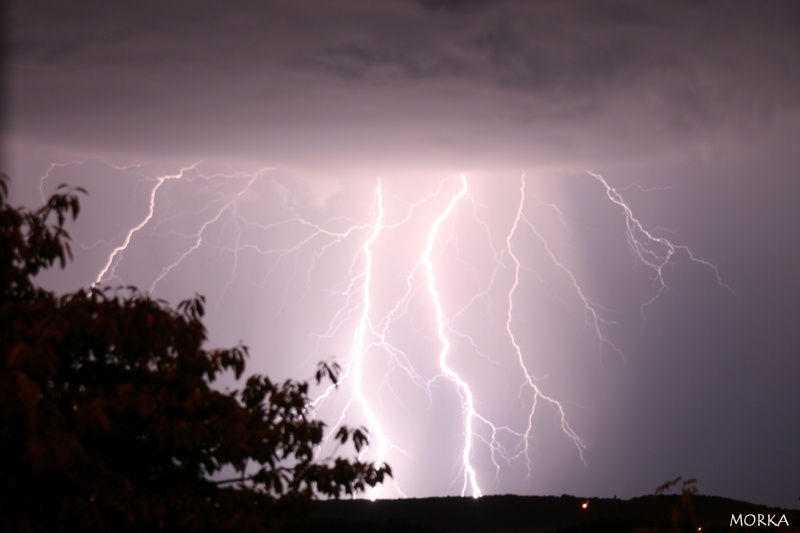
x,y
539,514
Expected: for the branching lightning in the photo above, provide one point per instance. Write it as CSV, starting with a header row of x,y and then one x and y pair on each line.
x,y
529,380
652,251
115,255
380,277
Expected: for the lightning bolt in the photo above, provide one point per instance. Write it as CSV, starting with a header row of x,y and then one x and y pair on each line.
x,y
537,393
468,403
378,310
365,326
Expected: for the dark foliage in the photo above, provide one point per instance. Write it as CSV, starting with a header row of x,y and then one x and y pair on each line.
x,y
109,422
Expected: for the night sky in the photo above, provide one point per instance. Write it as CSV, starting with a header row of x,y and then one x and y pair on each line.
x,y
562,235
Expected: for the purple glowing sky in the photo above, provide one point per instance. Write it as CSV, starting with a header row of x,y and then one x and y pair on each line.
x,y
332,138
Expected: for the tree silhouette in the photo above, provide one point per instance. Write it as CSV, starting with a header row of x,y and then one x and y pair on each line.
x,y
108,417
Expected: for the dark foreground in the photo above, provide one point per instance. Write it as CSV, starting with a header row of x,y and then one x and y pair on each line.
x,y
540,514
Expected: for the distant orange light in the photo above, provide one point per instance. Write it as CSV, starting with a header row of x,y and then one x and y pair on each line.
x,y
585,504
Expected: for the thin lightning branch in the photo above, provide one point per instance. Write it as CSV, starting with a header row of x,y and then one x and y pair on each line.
x,y
198,236
654,252
113,259
83,161
590,311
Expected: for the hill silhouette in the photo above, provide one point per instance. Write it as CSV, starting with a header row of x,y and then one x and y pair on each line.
x,y
539,514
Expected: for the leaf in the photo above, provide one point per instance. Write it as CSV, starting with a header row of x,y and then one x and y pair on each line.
x,y
360,438
342,435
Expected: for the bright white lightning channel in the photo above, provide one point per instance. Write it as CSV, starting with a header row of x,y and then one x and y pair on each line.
x,y
468,403
364,325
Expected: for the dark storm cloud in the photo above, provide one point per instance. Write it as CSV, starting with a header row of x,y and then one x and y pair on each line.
x,y
682,72
551,64
453,5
